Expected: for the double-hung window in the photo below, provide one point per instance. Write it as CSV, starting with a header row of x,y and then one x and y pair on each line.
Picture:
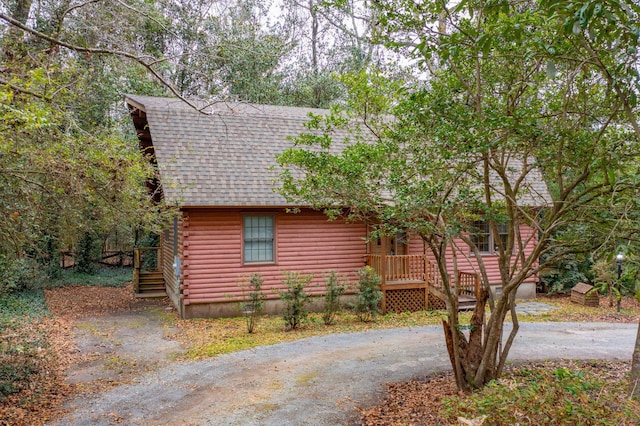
x,y
258,234
485,240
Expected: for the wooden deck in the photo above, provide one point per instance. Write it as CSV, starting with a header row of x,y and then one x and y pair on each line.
x,y
410,283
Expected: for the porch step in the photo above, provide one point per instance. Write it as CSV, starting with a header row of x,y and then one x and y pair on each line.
x,y
152,294
151,284
151,275
150,281
151,287
466,303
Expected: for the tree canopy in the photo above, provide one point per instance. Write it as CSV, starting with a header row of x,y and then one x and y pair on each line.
x,y
515,93
494,98
69,163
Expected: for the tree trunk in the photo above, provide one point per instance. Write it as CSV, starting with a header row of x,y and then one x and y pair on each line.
x,y
470,351
20,12
635,367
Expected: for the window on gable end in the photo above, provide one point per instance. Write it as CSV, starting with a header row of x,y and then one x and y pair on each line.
x,y
259,241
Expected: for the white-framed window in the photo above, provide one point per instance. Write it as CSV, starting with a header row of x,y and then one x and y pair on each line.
x,y
484,238
258,238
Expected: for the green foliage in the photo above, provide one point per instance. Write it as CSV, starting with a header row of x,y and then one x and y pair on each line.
x,y
149,258
19,274
51,258
69,162
87,253
605,271
14,375
567,272
605,280
333,290
21,342
367,305
29,305
295,299
544,396
104,277
253,306
149,239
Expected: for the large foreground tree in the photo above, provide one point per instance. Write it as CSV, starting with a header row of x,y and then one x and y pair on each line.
x,y
515,96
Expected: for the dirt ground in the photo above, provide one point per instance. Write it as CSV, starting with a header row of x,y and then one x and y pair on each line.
x,y
106,337
109,339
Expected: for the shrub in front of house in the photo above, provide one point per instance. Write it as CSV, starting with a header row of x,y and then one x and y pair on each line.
x,y
295,298
335,287
252,306
369,296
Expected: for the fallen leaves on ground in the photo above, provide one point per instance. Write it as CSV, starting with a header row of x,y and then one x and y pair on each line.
x,y
42,350
571,311
43,396
75,302
411,403
420,402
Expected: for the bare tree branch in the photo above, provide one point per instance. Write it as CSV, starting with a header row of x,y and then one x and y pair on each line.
x,y
111,52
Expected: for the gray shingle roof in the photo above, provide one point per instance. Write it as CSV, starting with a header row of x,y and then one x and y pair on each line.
x,y
226,157
222,158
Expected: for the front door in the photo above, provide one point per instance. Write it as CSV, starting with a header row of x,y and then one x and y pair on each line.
x,y
390,247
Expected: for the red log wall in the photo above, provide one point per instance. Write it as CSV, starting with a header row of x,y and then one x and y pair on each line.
x,y
467,261
306,242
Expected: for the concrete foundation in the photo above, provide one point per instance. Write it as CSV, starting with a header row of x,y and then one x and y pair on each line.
x,y
232,309
526,291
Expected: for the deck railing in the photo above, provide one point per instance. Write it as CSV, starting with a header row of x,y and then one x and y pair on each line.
x,y
468,284
146,258
435,280
419,268
398,268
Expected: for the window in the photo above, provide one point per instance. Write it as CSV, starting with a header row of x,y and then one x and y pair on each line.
x,y
258,238
484,239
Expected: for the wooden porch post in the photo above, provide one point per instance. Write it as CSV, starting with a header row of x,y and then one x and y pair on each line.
x,y
136,269
383,274
426,281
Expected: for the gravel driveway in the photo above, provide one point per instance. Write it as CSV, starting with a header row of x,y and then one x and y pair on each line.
x,y
319,380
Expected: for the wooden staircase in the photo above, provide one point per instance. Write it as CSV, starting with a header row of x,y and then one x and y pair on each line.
x,y
466,302
151,284
147,280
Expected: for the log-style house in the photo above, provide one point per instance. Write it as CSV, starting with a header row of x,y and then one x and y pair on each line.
x,y
218,169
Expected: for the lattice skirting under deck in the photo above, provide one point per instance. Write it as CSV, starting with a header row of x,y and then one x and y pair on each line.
x,y
436,303
405,300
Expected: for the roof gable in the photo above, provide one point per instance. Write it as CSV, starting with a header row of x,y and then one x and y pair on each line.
x,y
224,157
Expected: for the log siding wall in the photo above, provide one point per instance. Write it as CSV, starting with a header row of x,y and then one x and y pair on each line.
x,y
167,257
467,261
213,270
213,267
